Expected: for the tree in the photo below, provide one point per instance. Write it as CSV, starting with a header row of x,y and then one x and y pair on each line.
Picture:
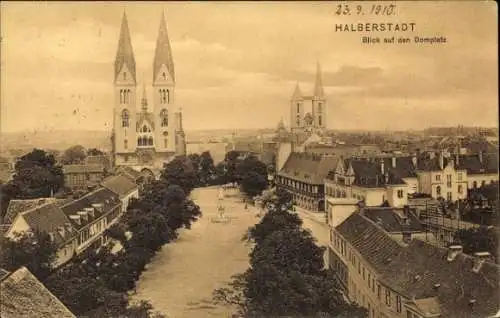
x,y
36,175
286,277
36,251
179,171
207,168
231,160
481,239
252,174
94,152
74,155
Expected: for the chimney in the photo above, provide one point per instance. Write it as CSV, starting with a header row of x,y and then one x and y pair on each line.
x,y
83,215
480,154
406,211
457,158
90,212
414,160
68,227
386,178
382,170
61,231
479,259
97,206
393,161
51,236
453,251
76,218
407,237
441,160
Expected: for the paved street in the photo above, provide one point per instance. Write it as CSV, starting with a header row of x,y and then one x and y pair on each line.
x,y
183,274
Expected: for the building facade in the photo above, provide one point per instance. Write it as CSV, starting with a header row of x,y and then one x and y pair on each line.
x,y
146,139
303,176
79,176
412,278
369,180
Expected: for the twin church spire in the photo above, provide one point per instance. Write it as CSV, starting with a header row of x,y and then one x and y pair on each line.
x,y
125,52
318,86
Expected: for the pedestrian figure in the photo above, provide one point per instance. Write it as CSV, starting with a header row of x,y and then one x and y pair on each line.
x,y
246,206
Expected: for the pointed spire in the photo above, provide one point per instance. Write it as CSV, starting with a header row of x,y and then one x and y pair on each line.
x,y
144,100
297,93
163,52
125,53
318,86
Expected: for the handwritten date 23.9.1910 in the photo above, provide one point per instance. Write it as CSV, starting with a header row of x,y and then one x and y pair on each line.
x,y
372,9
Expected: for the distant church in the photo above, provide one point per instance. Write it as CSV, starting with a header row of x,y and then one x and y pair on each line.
x,y
308,112
308,115
145,139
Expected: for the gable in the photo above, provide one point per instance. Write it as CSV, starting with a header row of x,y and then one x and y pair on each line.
x,y
124,77
163,76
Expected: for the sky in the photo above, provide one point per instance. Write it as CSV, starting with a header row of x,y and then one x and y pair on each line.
x,y
237,64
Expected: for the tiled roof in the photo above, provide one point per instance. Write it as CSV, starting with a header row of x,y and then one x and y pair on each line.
x,y
101,196
368,172
22,295
473,164
392,219
47,218
420,266
86,168
404,167
128,172
3,274
17,206
119,184
100,159
373,243
308,168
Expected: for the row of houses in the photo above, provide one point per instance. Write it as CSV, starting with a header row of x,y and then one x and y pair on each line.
x,y
385,262
382,179
74,225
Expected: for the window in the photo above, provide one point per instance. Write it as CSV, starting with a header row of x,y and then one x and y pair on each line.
x,y
474,184
164,76
460,189
400,194
364,277
373,284
459,176
125,144
388,297
298,120
448,180
150,141
164,118
398,303
438,177
319,107
164,96
139,141
483,183
298,107
320,120
369,280
438,190
448,196
125,118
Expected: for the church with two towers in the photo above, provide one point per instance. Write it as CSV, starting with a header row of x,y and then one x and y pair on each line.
x,y
146,138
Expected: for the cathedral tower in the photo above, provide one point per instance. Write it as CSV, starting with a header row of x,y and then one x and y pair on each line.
x,y
319,101
164,109
296,109
124,114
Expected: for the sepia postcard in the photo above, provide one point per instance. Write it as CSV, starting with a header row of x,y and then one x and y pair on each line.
x,y
249,159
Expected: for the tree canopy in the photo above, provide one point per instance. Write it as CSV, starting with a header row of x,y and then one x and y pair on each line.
x,y
36,176
286,277
74,155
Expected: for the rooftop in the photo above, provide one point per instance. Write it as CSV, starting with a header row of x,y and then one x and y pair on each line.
x,y
23,295
84,168
120,185
308,168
